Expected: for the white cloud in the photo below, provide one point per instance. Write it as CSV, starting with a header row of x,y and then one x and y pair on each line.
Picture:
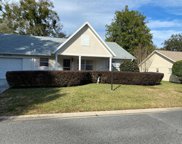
x,y
164,24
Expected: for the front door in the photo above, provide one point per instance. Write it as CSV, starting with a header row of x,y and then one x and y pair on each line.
x,y
66,64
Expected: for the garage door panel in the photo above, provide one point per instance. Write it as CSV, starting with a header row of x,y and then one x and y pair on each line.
x,y
7,64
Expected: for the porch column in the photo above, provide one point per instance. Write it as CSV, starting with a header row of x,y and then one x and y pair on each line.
x,y
56,60
110,64
79,63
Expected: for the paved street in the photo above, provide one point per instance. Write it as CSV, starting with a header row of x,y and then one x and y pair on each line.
x,y
150,128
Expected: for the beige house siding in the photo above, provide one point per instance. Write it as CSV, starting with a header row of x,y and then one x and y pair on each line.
x,y
75,46
157,63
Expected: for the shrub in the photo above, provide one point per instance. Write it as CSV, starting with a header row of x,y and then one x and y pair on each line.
x,y
177,69
65,78
47,78
130,78
129,66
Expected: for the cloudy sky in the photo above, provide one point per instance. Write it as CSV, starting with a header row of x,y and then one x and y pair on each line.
x,y
164,16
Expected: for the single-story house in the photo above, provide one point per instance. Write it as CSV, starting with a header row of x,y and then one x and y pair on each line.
x,y
161,61
83,50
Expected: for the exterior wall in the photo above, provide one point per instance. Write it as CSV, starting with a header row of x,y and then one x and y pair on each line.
x,y
159,62
31,63
75,47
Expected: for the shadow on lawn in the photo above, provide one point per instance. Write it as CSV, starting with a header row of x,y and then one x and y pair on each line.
x,y
115,88
19,101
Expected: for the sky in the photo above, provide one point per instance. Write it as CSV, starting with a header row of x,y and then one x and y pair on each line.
x,y
164,17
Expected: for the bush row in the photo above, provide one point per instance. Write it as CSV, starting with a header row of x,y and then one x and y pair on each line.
x,y
70,78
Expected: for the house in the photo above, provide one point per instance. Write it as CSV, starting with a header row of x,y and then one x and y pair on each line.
x,y
161,61
84,50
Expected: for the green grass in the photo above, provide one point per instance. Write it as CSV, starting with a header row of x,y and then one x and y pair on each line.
x,y
90,97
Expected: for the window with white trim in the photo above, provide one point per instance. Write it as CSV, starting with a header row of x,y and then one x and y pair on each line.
x,y
85,40
86,64
44,62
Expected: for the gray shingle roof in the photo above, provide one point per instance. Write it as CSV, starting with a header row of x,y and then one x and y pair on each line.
x,y
28,45
119,51
36,45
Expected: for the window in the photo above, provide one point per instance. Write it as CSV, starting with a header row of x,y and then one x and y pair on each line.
x,y
44,62
66,64
85,40
87,65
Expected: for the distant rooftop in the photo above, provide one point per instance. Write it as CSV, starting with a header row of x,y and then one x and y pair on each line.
x,y
173,55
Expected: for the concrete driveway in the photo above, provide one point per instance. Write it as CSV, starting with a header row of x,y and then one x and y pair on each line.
x,y
149,128
3,85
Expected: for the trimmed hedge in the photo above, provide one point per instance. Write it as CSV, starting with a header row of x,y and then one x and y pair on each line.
x,y
47,78
130,78
72,78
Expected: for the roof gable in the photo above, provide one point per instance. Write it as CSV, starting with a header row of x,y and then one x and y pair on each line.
x,y
172,56
71,39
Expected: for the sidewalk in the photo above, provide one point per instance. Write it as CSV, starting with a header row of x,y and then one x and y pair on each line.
x,y
87,114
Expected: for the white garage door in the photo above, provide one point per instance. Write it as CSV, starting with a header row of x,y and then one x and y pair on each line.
x,y
7,64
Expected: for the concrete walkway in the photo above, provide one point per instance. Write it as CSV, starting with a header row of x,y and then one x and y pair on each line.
x,y
3,85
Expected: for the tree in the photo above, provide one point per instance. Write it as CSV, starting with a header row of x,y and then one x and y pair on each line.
x,y
130,31
129,66
177,69
174,43
32,17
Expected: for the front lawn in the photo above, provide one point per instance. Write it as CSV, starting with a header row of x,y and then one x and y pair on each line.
x,y
91,97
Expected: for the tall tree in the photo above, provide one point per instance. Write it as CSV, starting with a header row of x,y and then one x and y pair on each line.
x,y
130,31
174,43
32,17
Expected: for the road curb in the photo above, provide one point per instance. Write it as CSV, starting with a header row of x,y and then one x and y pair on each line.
x,y
87,114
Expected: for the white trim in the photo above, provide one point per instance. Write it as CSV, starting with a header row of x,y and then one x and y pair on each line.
x,y
110,64
147,58
101,39
87,23
155,51
79,63
70,54
22,56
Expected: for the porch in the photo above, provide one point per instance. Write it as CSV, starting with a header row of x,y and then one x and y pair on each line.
x,y
78,63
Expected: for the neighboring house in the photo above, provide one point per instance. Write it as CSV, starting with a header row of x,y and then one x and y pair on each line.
x,y
161,61
84,50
